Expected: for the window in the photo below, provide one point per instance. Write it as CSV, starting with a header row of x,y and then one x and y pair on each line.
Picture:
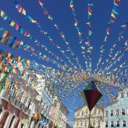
x,y
111,112
123,111
29,104
5,118
82,113
118,124
78,113
127,94
122,95
81,123
77,123
1,111
112,124
106,113
85,123
12,122
39,125
94,123
86,111
94,111
98,123
98,111
124,123
117,112
22,125
106,123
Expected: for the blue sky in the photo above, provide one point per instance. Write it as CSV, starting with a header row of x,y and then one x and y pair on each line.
x,y
62,14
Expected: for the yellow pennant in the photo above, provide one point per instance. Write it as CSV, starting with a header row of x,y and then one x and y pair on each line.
x,y
23,12
12,23
112,15
5,33
2,13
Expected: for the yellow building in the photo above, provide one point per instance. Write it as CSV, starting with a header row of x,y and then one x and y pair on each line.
x,y
81,119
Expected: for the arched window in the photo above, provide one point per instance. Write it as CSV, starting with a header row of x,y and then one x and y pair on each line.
x,y
112,124
111,112
118,124
124,123
22,125
123,111
12,122
106,123
6,116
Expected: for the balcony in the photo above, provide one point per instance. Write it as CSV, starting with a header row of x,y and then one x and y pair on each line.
x,y
12,99
22,106
18,103
27,111
6,95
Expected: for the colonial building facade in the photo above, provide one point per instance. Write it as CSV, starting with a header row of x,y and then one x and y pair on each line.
x,y
14,112
116,113
82,116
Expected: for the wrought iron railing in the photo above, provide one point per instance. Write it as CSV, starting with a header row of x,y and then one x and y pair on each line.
x,y
18,104
12,99
27,111
6,95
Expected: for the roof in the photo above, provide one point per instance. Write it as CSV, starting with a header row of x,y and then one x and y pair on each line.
x,y
80,107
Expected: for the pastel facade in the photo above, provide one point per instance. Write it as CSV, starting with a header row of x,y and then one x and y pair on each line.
x,y
13,112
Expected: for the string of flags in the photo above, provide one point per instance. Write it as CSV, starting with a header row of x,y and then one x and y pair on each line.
x,y
70,78
25,33
81,40
21,10
112,19
61,33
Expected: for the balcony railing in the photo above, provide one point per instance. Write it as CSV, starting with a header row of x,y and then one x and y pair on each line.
x,y
12,99
6,96
16,102
27,111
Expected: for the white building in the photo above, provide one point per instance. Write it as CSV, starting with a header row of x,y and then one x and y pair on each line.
x,y
116,113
